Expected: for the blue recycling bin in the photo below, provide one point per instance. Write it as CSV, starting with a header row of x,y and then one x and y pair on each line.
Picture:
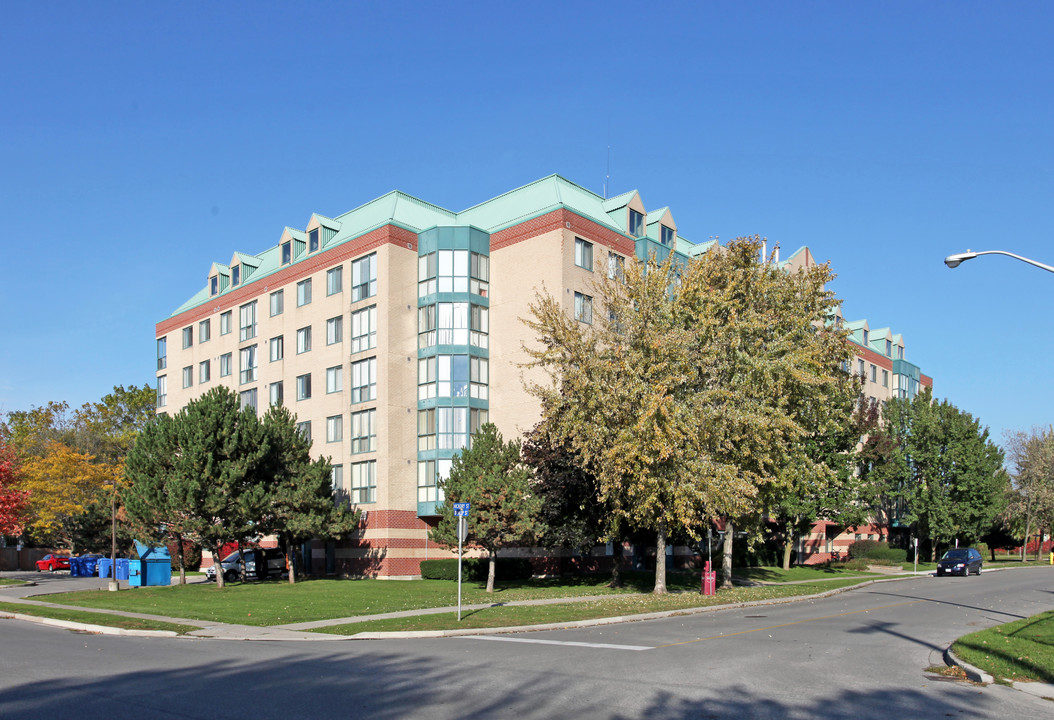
x,y
90,565
121,569
77,567
103,567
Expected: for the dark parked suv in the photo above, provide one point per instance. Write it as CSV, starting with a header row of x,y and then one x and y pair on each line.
x,y
960,561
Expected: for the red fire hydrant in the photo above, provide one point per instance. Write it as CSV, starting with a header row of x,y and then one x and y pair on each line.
x,y
709,585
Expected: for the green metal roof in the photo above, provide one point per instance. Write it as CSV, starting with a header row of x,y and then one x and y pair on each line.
x,y
513,207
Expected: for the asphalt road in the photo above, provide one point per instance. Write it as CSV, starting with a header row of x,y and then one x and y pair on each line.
x,y
861,654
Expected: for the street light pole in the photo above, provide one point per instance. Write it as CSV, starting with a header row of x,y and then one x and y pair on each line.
x,y
953,261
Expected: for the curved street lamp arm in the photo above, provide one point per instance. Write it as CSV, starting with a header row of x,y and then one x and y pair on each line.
x,y
954,260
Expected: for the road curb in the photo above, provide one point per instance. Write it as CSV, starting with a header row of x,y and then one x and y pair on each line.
x,y
975,674
85,627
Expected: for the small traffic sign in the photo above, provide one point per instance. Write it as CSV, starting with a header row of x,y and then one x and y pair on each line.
x,y
461,509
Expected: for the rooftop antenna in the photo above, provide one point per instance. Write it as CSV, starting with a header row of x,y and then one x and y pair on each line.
x,y
607,178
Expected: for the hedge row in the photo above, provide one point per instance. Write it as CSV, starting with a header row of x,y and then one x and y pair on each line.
x,y
476,569
877,551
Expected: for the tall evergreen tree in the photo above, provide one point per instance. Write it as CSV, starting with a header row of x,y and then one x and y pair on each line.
x,y
504,510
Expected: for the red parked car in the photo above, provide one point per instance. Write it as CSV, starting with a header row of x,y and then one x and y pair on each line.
x,y
51,563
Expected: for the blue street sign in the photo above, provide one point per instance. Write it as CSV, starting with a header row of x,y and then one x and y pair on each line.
x,y
461,509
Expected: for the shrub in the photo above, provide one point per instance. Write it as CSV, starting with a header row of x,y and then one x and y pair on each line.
x,y
982,548
854,565
878,553
476,569
191,556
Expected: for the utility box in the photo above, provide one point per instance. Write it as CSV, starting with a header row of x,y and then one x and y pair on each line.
x,y
154,566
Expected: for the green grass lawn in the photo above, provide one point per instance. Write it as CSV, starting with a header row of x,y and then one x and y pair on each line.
x,y
11,581
1021,650
277,603
504,616
92,618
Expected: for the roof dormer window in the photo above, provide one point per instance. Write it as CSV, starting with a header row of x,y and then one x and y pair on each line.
x,y
312,240
666,235
865,335
889,348
214,285
636,224
287,252
236,275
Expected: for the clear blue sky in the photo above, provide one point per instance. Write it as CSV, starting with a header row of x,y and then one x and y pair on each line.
x,y
140,142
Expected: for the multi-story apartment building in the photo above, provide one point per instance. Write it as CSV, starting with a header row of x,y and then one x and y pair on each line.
x,y
394,331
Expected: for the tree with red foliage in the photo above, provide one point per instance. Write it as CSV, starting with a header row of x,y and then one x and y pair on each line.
x,y
14,503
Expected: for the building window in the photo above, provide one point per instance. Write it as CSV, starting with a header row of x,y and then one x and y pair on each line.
x,y
477,418
336,475
236,275
900,352
162,353
304,428
616,267
867,334
453,323
225,323
860,368
287,252
204,371
277,347
247,399
303,340
429,472
426,430
426,275
364,277
334,280
214,285
335,428
247,321
885,378
303,387
426,378
364,482
364,329
583,308
277,302
363,432
584,254
479,376
303,292
225,365
426,326
452,375
479,271
162,391
451,428
334,379
479,323
312,240
277,392
188,376
889,348
334,330
666,235
453,270
204,331
874,374
248,364
636,224
364,380
188,337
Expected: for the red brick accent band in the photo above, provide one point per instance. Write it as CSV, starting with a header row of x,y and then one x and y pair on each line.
x,y
562,219
389,234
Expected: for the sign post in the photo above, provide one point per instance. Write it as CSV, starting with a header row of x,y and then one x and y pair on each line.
x,y
461,513
916,541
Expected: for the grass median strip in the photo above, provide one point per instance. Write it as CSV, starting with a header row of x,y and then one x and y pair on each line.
x,y
517,615
1020,650
92,618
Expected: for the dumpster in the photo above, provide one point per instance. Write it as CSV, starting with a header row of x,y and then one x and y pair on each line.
x,y
154,566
